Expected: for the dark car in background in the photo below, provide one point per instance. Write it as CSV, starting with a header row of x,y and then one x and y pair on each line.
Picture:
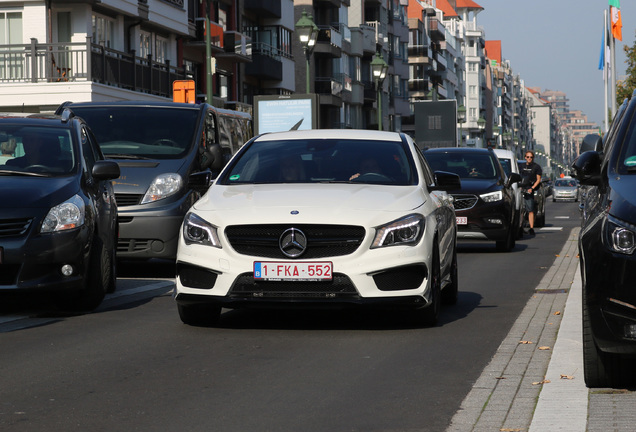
x,y
607,246
540,195
485,203
58,217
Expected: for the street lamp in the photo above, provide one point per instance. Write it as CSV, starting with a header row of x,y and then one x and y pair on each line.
x,y
495,135
461,119
481,125
379,69
307,33
506,137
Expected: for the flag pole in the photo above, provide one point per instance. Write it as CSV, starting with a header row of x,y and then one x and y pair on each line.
x,y
605,70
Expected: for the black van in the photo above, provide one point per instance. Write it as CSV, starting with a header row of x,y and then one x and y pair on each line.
x,y
167,152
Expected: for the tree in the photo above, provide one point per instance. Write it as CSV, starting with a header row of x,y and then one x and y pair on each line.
x,y
625,88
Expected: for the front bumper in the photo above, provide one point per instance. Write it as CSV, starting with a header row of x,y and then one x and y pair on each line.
x,y
151,230
391,277
486,221
33,263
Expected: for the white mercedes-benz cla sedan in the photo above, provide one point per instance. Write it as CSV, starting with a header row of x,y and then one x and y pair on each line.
x,y
316,218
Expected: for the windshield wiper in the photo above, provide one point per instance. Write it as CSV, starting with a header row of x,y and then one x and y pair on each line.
x,y
23,173
124,156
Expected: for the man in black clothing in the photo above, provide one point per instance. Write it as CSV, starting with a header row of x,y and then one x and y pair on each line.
x,y
531,179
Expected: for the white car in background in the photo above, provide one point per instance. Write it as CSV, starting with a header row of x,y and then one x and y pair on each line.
x,y
508,161
321,218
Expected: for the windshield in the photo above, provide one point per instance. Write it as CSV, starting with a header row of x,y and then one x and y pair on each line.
x,y
468,165
29,150
565,183
141,132
322,160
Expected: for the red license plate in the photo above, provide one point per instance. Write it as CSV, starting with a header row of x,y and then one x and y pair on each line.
x,y
462,220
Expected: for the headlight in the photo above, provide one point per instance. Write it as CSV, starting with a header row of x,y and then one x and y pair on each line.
x,y
162,187
198,231
405,231
492,196
620,236
68,215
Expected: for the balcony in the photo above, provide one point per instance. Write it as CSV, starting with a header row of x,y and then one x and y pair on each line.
x,y
237,47
68,63
418,87
418,54
437,31
266,62
330,90
216,36
368,39
329,41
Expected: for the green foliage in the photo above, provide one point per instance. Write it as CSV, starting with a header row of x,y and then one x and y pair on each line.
x,y
624,89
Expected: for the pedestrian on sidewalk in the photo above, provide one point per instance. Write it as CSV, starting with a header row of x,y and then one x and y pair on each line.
x,y
530,180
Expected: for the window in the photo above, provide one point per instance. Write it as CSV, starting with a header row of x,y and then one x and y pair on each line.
x,y
10,28
161,49
472,91
144,44
103,31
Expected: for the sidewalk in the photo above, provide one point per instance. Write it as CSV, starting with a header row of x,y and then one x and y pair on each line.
x,y
535,380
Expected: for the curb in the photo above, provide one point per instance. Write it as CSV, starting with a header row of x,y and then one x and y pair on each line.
x,y
505,396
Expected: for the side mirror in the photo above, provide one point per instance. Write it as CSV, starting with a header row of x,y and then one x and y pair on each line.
x,y
591,142
514,178
106,170
587,168
446,181
200,181
213,158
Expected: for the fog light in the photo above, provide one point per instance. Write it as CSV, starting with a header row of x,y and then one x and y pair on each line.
x,y
630,331
495,221
67,269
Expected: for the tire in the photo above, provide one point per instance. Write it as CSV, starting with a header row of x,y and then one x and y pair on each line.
x,y
451,291
429,315
509,243
100,274
199,315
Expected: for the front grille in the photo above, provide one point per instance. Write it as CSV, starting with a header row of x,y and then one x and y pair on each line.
x,y
246,287
322,240
14,227
124,200
133,245
464,202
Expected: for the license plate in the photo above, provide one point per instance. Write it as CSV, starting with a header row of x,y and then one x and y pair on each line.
x,y
462,220
300,271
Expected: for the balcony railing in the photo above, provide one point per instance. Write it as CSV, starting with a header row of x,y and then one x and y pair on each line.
x,y
81,62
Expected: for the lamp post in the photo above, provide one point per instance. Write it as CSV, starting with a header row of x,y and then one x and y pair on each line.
x,y
481,125
506,137
495,135
307,33
461,119
379,69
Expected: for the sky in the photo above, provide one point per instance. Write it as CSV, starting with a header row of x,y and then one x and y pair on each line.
x,y
556,44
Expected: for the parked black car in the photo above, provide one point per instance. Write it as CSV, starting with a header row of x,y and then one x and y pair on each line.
x,y
607,242
484,205
58,217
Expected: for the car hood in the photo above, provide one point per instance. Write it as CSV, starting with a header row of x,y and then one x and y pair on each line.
x,y
623,198
335,203
36,192
136,175
477,186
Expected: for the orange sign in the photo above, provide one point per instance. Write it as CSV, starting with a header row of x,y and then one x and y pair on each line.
x,y
183,91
